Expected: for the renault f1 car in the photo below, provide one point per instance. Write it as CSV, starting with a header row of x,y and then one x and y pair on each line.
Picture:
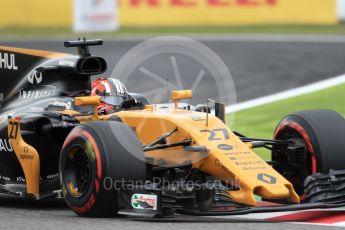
x,y
146,160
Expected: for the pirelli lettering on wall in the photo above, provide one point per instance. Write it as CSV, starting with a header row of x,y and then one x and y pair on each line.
x,y
191,3
225,12
8,61
59,13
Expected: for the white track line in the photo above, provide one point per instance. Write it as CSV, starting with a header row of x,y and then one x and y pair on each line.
x,y
268,215
287,94
273,38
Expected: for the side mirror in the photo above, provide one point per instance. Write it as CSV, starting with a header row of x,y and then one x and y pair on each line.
x,y
180,95
220,111
89,100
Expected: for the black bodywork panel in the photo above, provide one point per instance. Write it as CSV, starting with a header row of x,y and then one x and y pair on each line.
x,y
31,87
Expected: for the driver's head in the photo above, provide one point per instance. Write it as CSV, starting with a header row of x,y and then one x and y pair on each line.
x,y
112,93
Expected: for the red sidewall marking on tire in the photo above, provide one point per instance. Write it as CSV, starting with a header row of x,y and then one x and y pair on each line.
x,y
76,133
98,155
97,185
86,207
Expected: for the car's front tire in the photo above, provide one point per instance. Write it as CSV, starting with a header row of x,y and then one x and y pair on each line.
x,y
320,138
94,157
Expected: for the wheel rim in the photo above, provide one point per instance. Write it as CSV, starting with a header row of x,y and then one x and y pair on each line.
x,y
78,171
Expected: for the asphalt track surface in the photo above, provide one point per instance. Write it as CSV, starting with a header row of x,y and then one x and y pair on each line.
x,y
55,215
259,67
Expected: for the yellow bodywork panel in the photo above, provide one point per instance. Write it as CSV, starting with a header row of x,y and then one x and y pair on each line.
x,y
227,157
27,157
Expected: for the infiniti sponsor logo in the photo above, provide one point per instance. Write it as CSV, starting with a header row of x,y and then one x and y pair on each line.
x,y
35,77
35,94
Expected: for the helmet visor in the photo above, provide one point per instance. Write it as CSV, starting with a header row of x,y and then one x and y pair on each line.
x,y
112,100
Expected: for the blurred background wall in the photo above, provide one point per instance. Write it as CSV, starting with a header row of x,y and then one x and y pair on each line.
x,y
36,13
59,13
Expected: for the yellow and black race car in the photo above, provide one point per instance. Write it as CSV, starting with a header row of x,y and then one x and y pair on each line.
x,y
143,159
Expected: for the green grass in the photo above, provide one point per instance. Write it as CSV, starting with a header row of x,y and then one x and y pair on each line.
x,y
261,121
248,29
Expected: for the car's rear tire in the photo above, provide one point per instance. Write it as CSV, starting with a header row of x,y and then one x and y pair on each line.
x,y
94,157
321,137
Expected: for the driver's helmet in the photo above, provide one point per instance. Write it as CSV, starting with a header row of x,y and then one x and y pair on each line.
x,y
112,92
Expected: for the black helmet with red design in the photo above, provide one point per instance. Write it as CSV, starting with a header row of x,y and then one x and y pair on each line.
x,y
112,93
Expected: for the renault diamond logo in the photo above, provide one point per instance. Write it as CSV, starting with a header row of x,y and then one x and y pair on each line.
x,y
267,178
35,76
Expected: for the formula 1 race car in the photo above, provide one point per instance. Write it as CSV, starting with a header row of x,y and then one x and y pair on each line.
x,y
147,160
